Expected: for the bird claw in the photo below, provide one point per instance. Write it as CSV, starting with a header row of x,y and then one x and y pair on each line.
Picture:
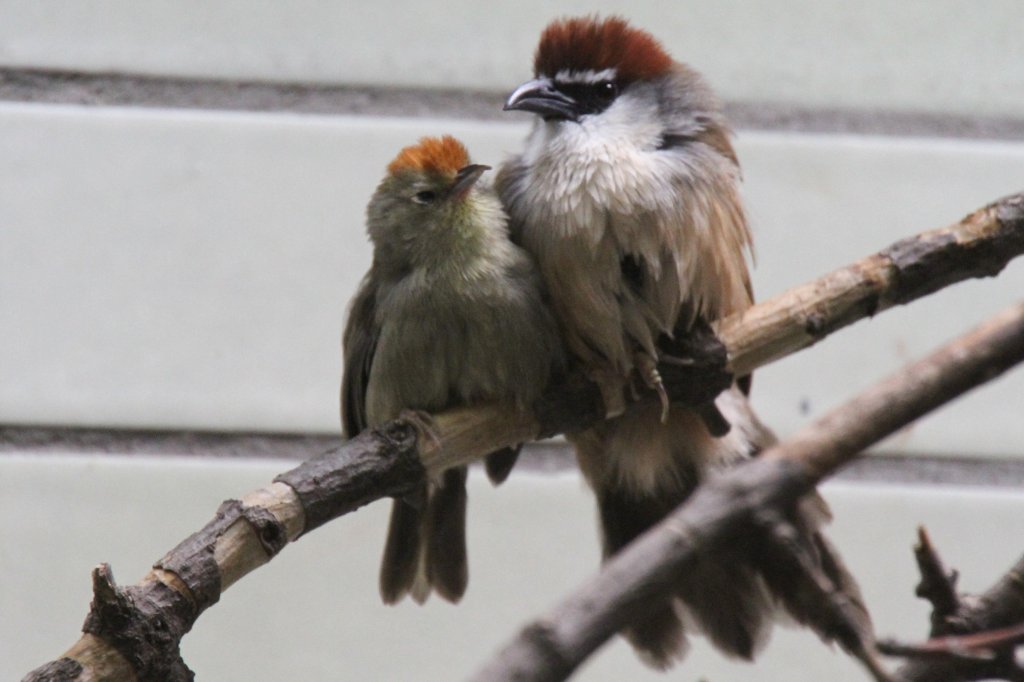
x,y
648,369
663,397
676,360
425,426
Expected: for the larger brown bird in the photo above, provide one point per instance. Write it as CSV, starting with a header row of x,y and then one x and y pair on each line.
x,y
450,313
626,193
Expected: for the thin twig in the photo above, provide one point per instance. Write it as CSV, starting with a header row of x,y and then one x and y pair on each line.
x,y
976,642
937,584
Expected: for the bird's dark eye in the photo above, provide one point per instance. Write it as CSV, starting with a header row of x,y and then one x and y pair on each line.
x,y
607,90
424,197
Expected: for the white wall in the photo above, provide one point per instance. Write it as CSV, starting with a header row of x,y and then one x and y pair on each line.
x,y
922,55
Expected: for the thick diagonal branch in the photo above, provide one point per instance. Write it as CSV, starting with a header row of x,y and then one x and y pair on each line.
x,y
153,615
553,646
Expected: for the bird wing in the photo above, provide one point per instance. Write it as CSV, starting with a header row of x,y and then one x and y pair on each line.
x,y
359,344
721,245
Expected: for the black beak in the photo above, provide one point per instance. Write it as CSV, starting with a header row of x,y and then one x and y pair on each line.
x,y
542,97
465,179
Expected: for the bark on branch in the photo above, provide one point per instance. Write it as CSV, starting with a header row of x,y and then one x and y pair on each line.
x,y
556,643
980,245
971,637
134,631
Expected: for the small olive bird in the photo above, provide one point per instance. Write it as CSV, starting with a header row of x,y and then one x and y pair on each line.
x,y
627,195
450,313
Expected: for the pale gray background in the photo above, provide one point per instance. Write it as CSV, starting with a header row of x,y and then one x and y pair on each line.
x,y
181,195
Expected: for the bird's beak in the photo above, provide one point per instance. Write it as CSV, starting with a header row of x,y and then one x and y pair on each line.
x,y
542,97
465,179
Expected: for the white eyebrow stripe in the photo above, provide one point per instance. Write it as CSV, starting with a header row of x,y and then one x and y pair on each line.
x,y
585,77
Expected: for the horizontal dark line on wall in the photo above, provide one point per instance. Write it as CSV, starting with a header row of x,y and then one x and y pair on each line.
x,y
35,439
61,87
546,456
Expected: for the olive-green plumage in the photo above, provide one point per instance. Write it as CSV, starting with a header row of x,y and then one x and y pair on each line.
x,y
450,313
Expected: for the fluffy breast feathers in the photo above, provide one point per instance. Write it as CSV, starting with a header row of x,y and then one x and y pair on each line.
x,y
584,198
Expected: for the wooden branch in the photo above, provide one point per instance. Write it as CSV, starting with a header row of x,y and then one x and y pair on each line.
x,y
973,638
985,654
151,617
134,632
554,645
937,584
980,245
